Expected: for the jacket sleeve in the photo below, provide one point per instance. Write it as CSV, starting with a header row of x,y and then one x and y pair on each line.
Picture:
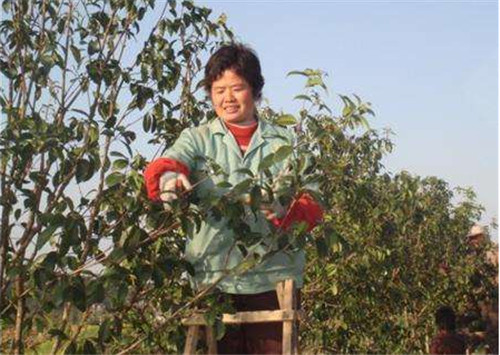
x,y
178,158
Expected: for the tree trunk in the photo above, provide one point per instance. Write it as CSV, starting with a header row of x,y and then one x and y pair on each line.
x,y
4,233
18,336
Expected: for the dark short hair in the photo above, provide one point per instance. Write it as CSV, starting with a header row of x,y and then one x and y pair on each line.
x,y
445,318
240,58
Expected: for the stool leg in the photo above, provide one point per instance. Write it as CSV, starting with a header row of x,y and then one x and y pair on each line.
x,y
211,341
191,340
295,338
289,329
280,289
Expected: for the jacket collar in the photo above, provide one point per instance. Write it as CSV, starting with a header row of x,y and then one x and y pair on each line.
x,y
264,131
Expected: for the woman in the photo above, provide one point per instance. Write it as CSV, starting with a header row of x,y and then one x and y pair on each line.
x,y
235,140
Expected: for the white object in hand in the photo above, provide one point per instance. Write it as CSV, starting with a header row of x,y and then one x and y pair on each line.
x,y
168,186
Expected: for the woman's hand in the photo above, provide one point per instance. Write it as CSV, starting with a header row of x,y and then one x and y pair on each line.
x,y
273,210
171,184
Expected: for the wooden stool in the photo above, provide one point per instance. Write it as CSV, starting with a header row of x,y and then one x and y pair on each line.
x,y
288,314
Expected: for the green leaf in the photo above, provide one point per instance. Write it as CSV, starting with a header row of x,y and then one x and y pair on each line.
x,y
143,95
93,47
244,252
303,97
321,247
245,171
104,331
131,237
255,198
47,60
93,134
222,19
40,324
224,185
315,81
296,72
363,121
242,187
115,256
58,292
60,25
282,153
347,110
117,154
114,179
95,292
86,114
76,294
267,162
120,164
84,170
158,276
110,121
6,6
334,289
45,236
50,260
72,262
76,53
286,120
94,72
146,123
331,236
41,276
59,60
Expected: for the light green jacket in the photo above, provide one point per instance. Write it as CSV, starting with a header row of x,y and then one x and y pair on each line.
x,y
211,249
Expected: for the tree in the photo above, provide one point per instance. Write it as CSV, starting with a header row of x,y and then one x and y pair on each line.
x,y
392,248
73,199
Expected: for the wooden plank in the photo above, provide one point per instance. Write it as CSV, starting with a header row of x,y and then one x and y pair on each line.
x,y
295,337
248,317
295,324
280,289
211,340
191,340
288,328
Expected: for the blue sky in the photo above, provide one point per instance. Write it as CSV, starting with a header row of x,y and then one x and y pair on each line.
x,y
430,70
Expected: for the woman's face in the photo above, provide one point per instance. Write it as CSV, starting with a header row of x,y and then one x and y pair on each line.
x,y
232,99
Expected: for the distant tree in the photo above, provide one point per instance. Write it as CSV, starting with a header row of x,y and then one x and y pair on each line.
x,y
392,248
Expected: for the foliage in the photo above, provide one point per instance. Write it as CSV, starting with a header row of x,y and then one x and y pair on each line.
x,y
78,232
392,247
90,264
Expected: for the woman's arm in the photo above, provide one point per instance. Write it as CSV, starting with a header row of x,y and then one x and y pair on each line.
x,y
179,158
